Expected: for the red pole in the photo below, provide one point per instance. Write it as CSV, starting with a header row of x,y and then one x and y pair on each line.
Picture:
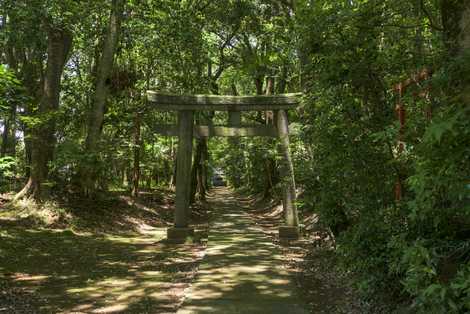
x,y
401,115
400,88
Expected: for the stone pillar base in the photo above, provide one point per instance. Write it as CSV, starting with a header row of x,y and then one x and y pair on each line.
x,y
289,233
178,235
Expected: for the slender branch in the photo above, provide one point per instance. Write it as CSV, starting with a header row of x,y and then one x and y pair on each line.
x,y
432,24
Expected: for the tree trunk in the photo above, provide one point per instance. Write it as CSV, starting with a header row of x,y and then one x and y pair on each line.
x,y
172,181
27,151
13,126
259,85
202,174
419,42
456,22
155,176
269,163
196,170
87,172
5,137
281,86
8,134
269,116
43,140
137,147
125,182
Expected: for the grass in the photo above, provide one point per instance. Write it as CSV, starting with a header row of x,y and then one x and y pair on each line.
x,y
93,257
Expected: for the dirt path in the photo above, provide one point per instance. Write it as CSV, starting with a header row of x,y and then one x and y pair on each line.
x,y
242,271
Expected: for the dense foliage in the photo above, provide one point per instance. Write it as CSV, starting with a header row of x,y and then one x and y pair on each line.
x,y
418,246
74,116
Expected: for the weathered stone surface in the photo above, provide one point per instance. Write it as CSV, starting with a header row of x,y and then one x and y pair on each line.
x,y
289,233
183,168
223,103
219,131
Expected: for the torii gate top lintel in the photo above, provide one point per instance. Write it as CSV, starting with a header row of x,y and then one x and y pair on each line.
x,y
185,105
166,102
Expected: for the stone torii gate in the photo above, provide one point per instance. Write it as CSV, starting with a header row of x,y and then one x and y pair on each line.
x,y
185,130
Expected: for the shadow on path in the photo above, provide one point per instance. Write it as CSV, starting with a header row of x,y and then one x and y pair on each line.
x,y
242,271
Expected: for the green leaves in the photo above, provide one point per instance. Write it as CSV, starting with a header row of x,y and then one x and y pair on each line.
x,y
428,284
438,129
10,88
7,165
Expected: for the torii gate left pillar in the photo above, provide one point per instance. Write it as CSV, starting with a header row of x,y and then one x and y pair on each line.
x,y
185,130
181,228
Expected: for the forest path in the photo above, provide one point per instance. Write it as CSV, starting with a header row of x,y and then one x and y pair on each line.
x,y
242,271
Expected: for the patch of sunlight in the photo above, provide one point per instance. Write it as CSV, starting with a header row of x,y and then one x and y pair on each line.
x,y
82,290
67,277
173,260
27,277
114,282
72,231
7,214
116,189
113,286
5,234
79,308
278,293
157,296
46,213
96,295
153,236
151,284
121,239
24,203
126,295
152,231
115,308
121,290
150,273
279,281
113,263
148,249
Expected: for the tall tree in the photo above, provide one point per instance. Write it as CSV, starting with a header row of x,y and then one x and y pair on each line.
x,y
87,172
43,138
137,149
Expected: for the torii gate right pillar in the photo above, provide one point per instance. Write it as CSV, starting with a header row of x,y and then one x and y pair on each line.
x,y
289,231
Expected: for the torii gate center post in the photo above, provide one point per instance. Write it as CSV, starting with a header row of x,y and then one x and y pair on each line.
x,y
185,106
